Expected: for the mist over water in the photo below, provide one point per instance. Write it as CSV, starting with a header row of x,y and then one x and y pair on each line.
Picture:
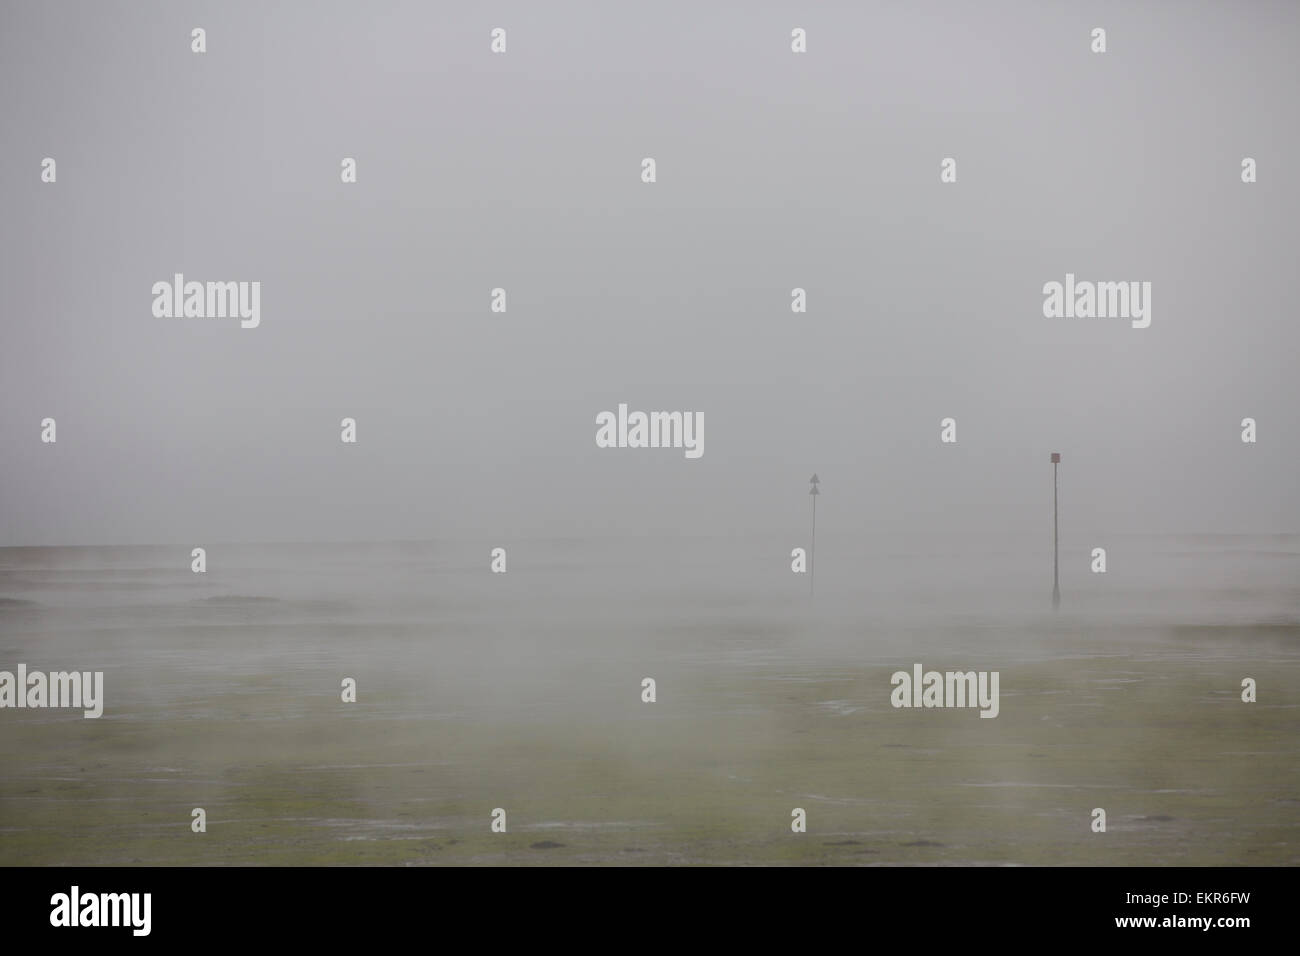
x,y
1204,578
406,607
477,429
523,689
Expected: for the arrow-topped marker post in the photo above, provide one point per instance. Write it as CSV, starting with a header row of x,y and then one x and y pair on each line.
x,y
1056,539
812,551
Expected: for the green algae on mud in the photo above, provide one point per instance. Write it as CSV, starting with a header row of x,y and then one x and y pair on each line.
x,y
1187,774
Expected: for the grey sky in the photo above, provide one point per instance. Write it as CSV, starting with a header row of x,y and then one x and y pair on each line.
x,y
775,170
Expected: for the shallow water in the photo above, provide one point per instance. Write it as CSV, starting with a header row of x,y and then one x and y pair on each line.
x,y
523,691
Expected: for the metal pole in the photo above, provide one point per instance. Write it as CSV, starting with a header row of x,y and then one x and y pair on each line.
x,y
1056,543
812,556
812,548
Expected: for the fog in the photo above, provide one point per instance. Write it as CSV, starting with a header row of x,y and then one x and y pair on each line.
x,y
522,171
330,561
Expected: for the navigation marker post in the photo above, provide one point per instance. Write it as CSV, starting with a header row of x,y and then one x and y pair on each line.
x,y
1056,538
812,551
